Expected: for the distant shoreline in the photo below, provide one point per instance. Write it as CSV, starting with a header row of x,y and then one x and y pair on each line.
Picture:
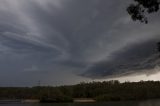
x,y
83,92
84,100
19,101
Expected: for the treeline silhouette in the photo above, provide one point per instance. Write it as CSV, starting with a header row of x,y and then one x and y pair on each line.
x,y
100,91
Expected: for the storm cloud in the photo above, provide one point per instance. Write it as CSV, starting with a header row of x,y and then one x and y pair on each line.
x,y
132,59
67,41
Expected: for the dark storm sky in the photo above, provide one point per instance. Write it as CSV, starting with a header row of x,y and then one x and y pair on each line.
x,y
67,41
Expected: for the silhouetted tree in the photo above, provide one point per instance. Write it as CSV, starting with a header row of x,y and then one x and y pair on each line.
x,y
140,8
100,91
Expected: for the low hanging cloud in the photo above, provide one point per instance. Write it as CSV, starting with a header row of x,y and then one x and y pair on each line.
x,y
138,58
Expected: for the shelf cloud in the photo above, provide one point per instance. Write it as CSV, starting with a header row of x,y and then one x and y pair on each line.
x,y
56,41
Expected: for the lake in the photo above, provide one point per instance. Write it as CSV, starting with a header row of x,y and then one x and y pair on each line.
x,y
124,103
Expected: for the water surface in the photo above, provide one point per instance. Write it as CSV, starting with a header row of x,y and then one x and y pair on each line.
x,y
124,103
